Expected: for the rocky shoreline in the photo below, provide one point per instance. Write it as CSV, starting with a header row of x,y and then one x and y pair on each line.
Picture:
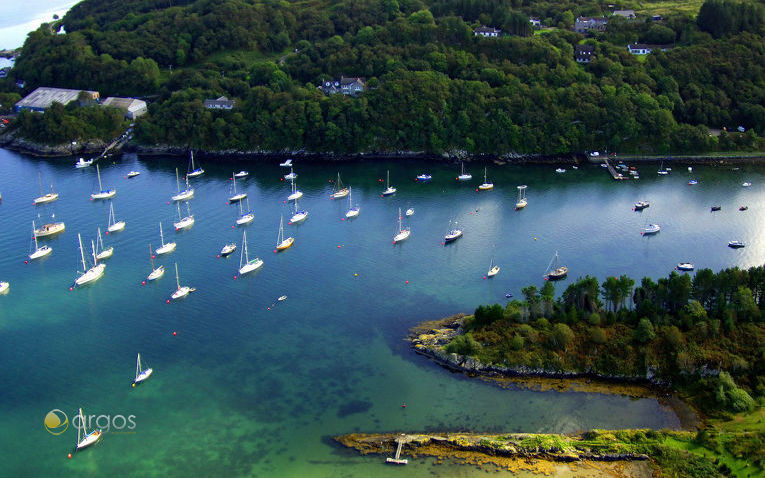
x,y
429,338
81,148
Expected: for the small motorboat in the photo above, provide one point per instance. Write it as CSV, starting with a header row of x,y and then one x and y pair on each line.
x,y
640,205
508,295
409,212
684,266
133,174
282,298
746,184
286,164
692,182
4,286
242,174
743,208
735,244
651,229
228,249
424,177
716,208
560,170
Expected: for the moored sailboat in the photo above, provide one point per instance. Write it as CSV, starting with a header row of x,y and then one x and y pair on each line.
x,y
45,198
39,251
180,291
463,175
164,248
141,374
554,270
453,233
487,185
182,195
102,193
101,252
353,211
237,196
281,242
157,272
85,439
114,224
245,217
402,233
89,274
521,202
184,222
245,263
193,172
339,190
388,189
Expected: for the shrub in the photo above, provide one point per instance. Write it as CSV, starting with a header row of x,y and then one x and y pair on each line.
x,y
561,336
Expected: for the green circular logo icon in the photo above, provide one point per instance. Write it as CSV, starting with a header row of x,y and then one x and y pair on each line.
x,y
56,422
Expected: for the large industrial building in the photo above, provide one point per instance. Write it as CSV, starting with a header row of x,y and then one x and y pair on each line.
x,y
41,98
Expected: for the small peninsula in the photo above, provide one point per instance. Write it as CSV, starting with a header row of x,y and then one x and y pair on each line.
x,y
699,339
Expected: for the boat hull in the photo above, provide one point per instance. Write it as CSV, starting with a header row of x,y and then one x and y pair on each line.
x,y
184,223
105,254
41,252
285,244
228,249
486,187
183,195
245,219
167,248
156,273
46,199
195,173
237,197
340,194
253,265
493,271
181,292
299,217
295,195
110,193
89,439
389,192
401,236
352,212
117,226
452,236
50,229
91,275
143,375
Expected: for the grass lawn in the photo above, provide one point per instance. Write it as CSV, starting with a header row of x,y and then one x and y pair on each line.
x,y
690,7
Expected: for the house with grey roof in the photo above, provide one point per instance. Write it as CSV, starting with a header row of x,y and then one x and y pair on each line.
x,y
487,32
43,97
221,103
587,24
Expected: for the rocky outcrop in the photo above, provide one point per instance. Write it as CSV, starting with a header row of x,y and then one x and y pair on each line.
x,y
13,142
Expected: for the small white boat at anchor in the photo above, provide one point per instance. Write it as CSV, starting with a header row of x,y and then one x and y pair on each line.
x,y
286,164
82,163
651,229
339,191
182,195
39,251
164,248
85,439
521,202
493,269
181,291
92,274
4,287
104,253
463,175
141,374
242,174
133,174
228,249
353,211
245,263
157,272
237,196
114,224
102,193
685,266
184,222
245,217
389,190
45,198
402,233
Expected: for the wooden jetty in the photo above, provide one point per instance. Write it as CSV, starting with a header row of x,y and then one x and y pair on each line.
x,y
397,460
614,173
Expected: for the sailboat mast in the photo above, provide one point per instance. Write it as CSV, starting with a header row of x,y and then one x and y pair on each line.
x,y
34,235
161,237
244,255
81,429
138,366
93,252
82,256
151,256
98,172
39,179
177,182
177,282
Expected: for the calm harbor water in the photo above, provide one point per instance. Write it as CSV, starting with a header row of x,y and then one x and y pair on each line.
x,y
252,391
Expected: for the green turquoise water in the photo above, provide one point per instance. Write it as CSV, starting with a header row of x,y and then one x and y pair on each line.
x,y
245,390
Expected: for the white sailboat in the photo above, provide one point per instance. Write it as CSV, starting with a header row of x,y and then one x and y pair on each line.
x,y
281,242
50,228
339,190
245,264
45,198
102,193
410,212
157,272
555,271
486,186
291,175
165,247
4,287
39,251
402,233
85,439
650,229
92,274
662,171
296,193
114,224
493,269
236,197
521,203
299,216
245,217
193,172
242,174
141,374
102,253
463,175
184,222
453,233
185,194
388,188
286,164
180,291
353,211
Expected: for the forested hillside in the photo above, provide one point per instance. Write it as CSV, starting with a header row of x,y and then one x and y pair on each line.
x,y
431,84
